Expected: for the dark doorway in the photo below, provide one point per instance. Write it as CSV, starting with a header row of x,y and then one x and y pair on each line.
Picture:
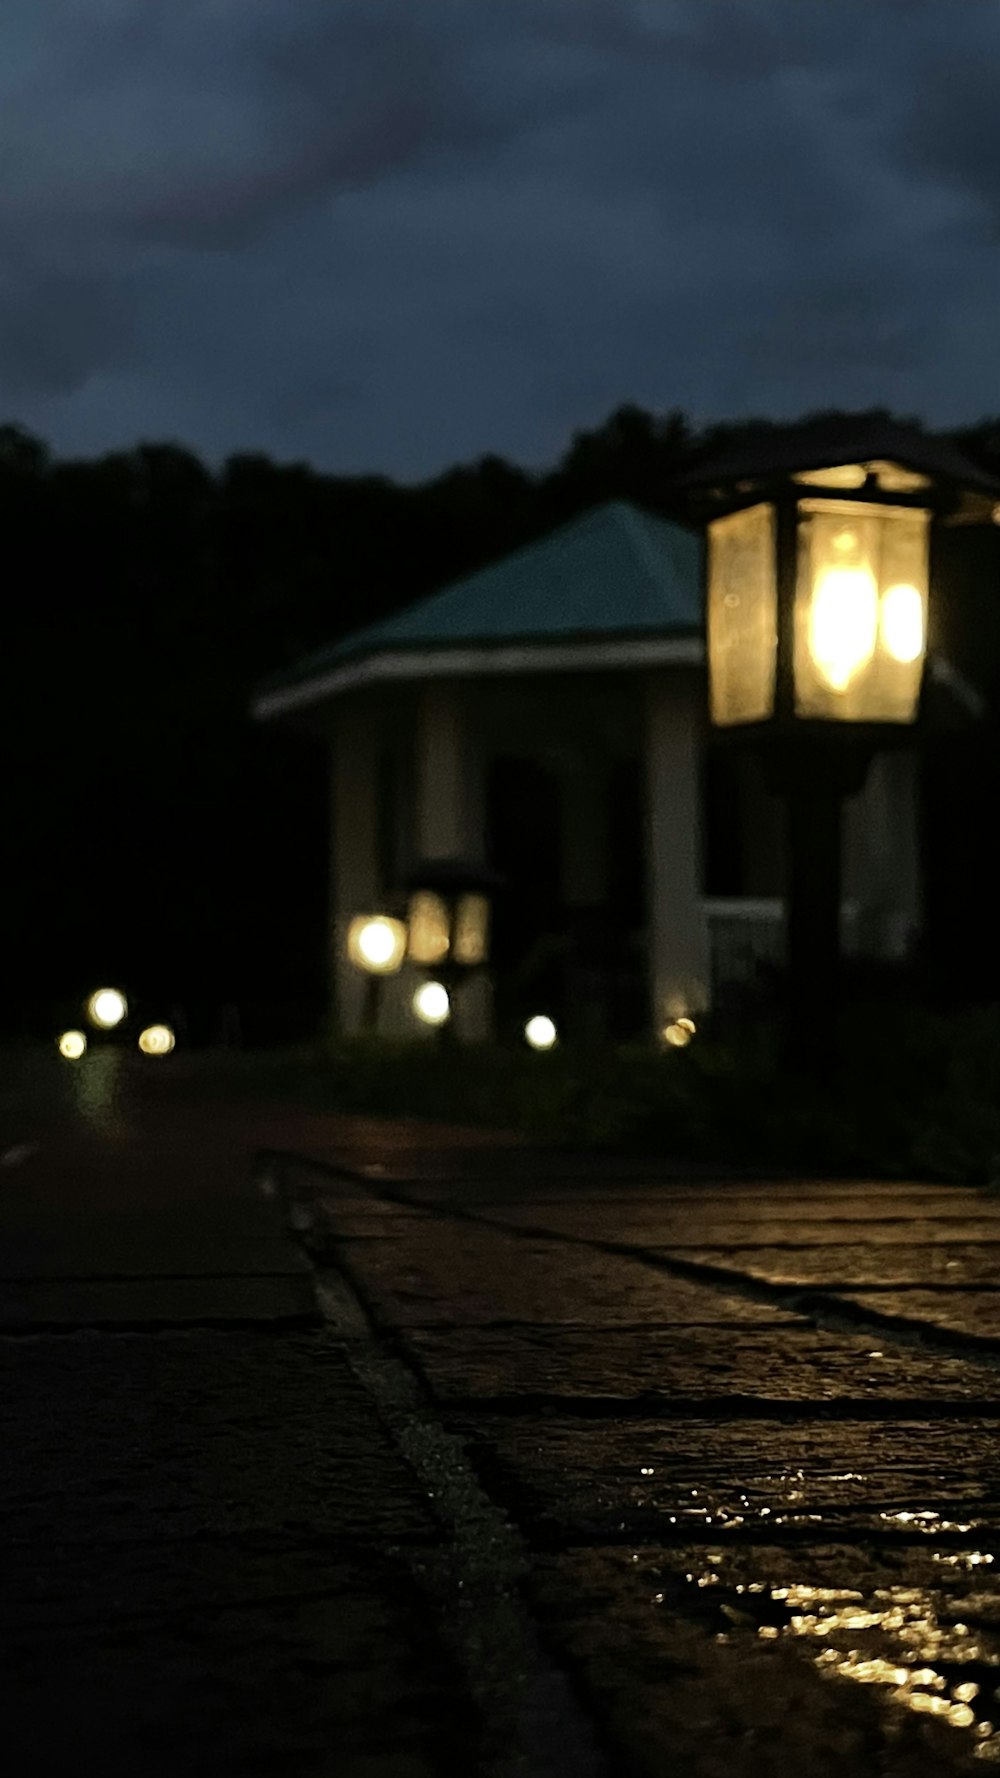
x,y
524,844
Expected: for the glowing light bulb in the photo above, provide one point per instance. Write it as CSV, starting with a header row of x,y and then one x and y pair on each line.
x,y
106,1008
156,1040
901,622
431,1003
540,1032
843,624
376,943
72,1045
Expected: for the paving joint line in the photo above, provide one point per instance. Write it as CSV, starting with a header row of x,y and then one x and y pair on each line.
x,y
535,1725
827,1312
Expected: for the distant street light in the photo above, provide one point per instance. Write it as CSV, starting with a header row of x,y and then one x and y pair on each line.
x,y
819,546
73,1045
106,1008
540,1032
156,1040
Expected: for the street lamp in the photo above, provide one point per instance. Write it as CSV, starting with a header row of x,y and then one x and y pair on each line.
x,y
376,944
448,922
820,564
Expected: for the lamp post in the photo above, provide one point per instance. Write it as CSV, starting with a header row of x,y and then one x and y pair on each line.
x,y
819,570
376,944
448,926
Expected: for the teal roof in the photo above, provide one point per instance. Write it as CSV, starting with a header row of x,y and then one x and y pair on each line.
x,y
616,571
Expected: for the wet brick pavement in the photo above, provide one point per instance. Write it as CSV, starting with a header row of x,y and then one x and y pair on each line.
x,y
725,1455
749,1434
210,1548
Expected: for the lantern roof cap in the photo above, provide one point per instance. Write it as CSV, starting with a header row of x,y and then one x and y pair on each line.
x,y
453,876
771,451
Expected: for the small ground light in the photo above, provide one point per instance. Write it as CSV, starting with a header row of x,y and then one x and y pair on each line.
x,y
679,1034
376,943
156,1040
72,1045
106,1008
540,1032
431,1003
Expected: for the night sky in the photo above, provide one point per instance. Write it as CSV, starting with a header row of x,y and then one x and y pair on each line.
x,y
385,236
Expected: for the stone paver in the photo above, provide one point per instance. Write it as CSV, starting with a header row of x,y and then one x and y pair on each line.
x,y
613,1363
579,1479
856,1262
457,1274
975,1313
627,1216
748,1364
110,1302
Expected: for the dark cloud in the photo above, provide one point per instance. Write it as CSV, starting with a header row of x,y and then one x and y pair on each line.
x,y
58,328
389,236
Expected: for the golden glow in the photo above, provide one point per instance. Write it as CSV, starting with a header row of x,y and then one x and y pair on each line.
x,y
472,926
844,475
106,1008
902,1638
376,943
892,478
540,1032
72,1045
901,623
156,1040
679,1034
843,622
430,931
432,1003
860,610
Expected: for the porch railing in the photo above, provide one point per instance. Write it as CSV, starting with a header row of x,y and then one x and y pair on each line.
x,y
746,941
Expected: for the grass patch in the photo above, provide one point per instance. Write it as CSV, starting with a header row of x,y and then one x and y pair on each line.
x,y
916,1095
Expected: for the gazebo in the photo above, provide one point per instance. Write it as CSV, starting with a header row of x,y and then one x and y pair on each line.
x,y
546,716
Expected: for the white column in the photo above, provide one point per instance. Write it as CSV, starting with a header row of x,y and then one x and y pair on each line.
x,y
450,815
354,885
677,940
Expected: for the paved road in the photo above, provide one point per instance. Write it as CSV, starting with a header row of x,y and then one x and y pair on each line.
x,y
503,1465
747,1436
211,1550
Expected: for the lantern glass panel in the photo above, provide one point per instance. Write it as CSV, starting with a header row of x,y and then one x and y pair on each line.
x,y
742,616
429,928
860,611
472,926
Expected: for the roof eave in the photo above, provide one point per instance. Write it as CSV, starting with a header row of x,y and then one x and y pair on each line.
x,y
475,659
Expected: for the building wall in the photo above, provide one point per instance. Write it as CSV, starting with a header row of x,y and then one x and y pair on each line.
x,y
589,790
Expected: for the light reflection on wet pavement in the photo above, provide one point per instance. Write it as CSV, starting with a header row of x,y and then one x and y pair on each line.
x,y
634,1369
935,1653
